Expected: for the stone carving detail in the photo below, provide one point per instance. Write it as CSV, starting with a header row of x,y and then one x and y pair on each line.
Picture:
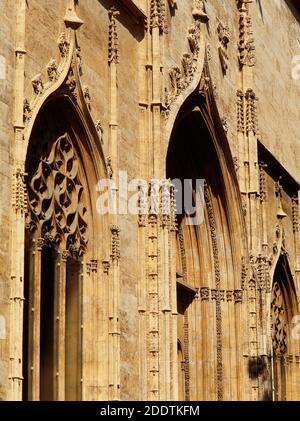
x,y
52,70
142,205
181,77
113,41
204,293
87,96
56,198
240,112
225,124
246,45
110,171
92,266
251,112
175,79
229,295
158,15
19,192
278,192
182,253
100,130
295,213
63,45
236,163
262,182
71,83
27,111
37,84
278,321
106,266
204,85
238,296
243,273
79,60
115,243
224,38
261,265
199,12
218,294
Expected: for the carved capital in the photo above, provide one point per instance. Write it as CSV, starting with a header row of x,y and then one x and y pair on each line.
x,y
229,295
238,296
106,266
92,266
204,293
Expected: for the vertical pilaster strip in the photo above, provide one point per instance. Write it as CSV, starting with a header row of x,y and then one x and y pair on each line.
x,y
114,318
60,326
113,61
34,318
17,218
217,297
158,372
154,325
173,300
114,328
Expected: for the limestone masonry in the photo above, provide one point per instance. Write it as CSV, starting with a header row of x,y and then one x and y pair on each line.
x,y
149,306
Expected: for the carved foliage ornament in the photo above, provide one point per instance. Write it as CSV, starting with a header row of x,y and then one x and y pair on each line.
x,y
181,77
56,201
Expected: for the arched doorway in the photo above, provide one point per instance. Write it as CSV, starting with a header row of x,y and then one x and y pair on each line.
x,y
208,258
59,239
283,305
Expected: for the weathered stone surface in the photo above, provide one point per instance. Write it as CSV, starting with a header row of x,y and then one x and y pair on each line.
x,y
191,89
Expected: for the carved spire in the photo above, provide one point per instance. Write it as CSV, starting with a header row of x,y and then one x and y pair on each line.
x,y
262,182
158,15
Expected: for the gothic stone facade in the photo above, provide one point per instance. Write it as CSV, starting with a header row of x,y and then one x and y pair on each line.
x,y
130,307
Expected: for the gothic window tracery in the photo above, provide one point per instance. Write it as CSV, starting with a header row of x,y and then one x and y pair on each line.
x,y
56,200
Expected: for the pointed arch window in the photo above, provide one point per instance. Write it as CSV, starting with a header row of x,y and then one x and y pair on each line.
x,y
56,240
283,308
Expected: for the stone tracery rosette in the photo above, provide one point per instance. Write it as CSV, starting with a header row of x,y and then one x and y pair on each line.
x,y
56,199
